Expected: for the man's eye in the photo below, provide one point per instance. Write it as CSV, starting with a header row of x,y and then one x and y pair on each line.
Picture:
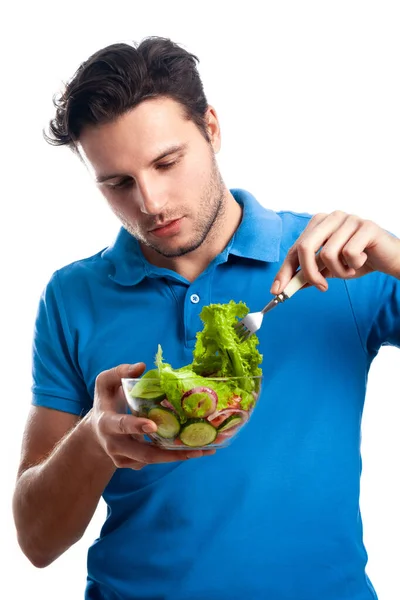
x,y
165,166
124,183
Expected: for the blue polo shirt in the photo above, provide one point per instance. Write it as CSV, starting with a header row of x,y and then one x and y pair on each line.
x,y
275,516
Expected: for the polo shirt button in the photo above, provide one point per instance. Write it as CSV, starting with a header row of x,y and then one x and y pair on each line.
x,y
194,298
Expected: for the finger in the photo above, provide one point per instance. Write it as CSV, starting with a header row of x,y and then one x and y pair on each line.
x,y
308,247
177,456
127,451
332,253
315,221
291,262
309,243
310,269
112,423
286,272
108,382
325,272
354,251
153,454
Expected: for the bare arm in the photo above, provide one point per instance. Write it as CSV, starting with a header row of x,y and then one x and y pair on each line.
x,y
66,464
62,475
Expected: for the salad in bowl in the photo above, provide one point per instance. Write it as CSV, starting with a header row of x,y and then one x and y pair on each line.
x,y
204,404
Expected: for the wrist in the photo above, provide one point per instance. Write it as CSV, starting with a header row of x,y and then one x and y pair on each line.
x,y
94,446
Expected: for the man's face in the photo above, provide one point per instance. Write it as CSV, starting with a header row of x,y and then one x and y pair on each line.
x,y
158,174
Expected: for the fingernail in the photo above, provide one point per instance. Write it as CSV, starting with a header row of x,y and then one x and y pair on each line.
x,y
134,366
148,428
275,287
322,287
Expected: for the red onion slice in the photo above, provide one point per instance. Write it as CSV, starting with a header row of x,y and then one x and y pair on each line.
x,y
211,394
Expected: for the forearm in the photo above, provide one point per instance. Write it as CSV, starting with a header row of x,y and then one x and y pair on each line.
x,y
54,501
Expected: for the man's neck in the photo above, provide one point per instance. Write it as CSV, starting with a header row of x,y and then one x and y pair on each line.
x,y
191,265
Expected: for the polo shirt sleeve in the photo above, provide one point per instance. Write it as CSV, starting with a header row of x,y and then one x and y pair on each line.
x,y
375,300
57,380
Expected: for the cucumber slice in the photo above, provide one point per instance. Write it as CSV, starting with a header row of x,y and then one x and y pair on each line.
x,y
230,422
168,425
198,432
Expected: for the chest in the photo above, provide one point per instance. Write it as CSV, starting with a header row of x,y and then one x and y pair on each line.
x,y
309,337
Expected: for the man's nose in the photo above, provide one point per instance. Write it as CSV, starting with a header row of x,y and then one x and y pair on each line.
x,y
151,200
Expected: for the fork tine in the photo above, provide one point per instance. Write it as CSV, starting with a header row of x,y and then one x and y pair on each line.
x,y
242,331
247,335
240,328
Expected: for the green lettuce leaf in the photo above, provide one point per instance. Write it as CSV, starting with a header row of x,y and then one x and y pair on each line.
x,y
218,350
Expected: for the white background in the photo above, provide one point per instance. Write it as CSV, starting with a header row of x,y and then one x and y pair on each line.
x,y
308,96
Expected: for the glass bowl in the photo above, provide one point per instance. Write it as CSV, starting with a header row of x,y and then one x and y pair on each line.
x,y
194,418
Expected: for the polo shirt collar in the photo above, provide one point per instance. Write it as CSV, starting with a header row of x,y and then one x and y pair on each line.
x,y
126,258
249,241
260,231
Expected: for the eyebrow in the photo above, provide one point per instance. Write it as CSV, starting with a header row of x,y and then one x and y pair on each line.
x,y
167,152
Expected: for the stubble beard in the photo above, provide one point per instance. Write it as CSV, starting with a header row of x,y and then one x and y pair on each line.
x,y
212,205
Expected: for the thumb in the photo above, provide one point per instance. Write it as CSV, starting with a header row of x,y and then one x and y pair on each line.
x,y
285,273
110,380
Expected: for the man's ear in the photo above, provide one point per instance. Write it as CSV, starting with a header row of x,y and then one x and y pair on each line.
x,y
213,128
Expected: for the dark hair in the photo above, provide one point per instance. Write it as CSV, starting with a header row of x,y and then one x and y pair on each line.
x,y
117,78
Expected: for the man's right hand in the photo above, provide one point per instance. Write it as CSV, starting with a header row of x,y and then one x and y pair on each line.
x,y
121,435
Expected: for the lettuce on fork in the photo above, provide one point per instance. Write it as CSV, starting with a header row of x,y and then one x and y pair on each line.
x,y
218,352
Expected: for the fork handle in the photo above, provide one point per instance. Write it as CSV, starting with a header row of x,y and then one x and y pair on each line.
x,y
298,281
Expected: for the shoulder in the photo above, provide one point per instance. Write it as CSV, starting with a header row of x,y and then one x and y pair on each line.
x,y
74,280
81,271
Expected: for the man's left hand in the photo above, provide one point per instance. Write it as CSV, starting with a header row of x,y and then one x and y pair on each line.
x,y
350,247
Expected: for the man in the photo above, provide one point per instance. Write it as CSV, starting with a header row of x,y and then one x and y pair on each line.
x,y
276,514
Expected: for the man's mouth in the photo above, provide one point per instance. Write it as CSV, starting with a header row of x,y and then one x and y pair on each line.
x,y
167,228
160,225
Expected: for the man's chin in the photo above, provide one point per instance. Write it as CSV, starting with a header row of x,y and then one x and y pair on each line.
x,y
170,252
173,248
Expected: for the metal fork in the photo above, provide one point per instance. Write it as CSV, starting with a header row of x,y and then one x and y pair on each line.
x,y
253,321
